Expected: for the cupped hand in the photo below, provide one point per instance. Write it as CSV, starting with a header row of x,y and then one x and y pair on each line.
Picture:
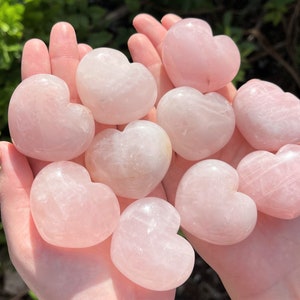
x,y
266,265
54,272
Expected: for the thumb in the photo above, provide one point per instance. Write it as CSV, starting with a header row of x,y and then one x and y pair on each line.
x,y
15,182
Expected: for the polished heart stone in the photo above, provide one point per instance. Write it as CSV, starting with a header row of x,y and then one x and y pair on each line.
x,y
69,210
44,124
267,117
194,57
210,207
198,125
133,161
115,90
146,248
273,181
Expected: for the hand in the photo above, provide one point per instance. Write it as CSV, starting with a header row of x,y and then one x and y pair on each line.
x,y
267,264
51,272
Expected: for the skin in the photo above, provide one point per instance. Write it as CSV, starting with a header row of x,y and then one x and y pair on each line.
x,y
264,266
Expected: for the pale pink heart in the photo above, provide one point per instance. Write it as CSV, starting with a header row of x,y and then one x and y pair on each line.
x,y
198,125
273,180
69,210
267,117
210,206
146,248
133,161
115,90
44,124
194,57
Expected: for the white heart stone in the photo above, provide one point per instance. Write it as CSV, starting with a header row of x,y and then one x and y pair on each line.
x,y
131,162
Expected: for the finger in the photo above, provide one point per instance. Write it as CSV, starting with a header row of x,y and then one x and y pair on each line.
x,y
151,28
143,51
228,91
83,49
35,59
64,55
169,20
151,116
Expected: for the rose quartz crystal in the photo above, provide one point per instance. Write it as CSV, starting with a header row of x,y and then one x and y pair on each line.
x,y
210,206
273,181
69,210
44,124
194,57
198,125
267,117
131,162
116,91
146,248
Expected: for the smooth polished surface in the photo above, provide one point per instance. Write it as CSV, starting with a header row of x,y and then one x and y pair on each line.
x,y
194,57
146,248
44,124
115,90
267,117
69,210
210,206
133,161
273,181
198,125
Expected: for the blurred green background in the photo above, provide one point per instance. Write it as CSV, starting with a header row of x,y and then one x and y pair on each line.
x,y
266,32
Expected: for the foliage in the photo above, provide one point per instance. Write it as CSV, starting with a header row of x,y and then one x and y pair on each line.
x,y
32,295
11,31
275,10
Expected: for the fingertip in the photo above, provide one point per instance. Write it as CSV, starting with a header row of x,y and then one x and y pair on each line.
x,y
142,50
35,58
169,20
150,27
63,41
83,49
141,18
135,43
62,29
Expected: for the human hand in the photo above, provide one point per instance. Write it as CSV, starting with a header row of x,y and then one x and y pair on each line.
x,y
266,264
53,272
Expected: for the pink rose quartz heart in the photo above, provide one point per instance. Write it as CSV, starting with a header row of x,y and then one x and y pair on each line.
x,y
267,117
194,57
146,248
273,181
116,91
132,162
44,124
198,125
210,206
69,210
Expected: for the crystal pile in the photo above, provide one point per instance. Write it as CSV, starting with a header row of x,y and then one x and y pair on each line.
x,y
77,206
